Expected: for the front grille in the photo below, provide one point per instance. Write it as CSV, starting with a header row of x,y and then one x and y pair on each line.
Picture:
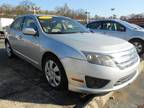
x,y
126,58
125,79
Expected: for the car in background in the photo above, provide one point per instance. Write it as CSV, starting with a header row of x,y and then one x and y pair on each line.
x,y
122,29
141,26
4,23
71,56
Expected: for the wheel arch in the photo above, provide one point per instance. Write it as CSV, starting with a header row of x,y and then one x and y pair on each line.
x,y
141,52
48,53
136,39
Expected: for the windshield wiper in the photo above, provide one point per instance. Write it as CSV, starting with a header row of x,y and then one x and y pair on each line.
x,y
67,32
79,32
56,33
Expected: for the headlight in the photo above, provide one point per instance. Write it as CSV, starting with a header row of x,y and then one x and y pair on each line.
x,y
99,59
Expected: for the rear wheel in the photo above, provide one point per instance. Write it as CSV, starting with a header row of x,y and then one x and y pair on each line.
x,y
55,73
139,45
9,49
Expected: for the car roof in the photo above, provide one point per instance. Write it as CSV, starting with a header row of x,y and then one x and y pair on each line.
x,y
127,24
41,15
116,20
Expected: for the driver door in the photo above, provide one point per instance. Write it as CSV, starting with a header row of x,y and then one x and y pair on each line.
x,y
30,44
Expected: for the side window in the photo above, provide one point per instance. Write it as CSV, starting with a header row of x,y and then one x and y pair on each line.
x,y
29,23
111,26
95,25
120,27
17,24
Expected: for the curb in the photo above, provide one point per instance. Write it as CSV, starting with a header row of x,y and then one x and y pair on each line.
x,y
99,102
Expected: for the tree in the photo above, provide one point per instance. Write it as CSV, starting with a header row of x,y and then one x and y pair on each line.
x,y
6,10
26,7
65,10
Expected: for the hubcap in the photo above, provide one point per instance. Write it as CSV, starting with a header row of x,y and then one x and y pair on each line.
x,y
8,49
138,46
52,73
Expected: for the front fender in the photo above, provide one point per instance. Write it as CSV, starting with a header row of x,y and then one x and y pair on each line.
x,y
60,49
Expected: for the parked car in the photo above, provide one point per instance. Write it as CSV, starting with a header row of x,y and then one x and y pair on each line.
x,y
141,26
70,56
122,29
4,23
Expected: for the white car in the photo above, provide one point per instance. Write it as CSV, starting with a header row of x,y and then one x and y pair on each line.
x,y
70,56
121,29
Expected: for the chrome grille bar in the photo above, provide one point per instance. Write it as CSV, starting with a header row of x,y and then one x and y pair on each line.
x,y
126,59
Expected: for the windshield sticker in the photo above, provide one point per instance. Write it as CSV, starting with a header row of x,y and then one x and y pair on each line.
x,y
45,17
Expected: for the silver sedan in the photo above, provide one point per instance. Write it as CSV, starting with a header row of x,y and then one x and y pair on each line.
x,y
70,56
121,29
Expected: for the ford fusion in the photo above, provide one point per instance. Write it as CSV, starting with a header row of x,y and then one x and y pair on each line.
x,y
70,56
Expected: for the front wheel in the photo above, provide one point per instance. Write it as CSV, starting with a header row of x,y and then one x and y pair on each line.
x,y
9,49
55,73
139,45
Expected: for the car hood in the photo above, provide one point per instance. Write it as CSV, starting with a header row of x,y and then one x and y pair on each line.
x,y
139,32
93,42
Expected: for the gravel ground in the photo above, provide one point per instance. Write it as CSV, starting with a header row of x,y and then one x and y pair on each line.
x,y
130,97
24,86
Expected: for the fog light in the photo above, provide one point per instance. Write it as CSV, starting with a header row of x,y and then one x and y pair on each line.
x,y
95,82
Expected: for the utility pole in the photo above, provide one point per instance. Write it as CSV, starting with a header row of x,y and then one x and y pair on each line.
x,y
87,15
112,10
35,9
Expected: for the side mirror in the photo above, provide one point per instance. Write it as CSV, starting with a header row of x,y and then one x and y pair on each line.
x,y
29,31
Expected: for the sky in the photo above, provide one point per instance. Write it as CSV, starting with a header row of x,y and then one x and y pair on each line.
x,y
98,7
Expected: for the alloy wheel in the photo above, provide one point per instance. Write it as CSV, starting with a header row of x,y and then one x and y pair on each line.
x,y
52,73
138,46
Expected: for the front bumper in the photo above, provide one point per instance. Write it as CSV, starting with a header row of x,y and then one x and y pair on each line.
x,y
79,69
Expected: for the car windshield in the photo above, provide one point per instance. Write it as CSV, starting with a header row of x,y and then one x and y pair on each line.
x,y
136,26
133,26
60,25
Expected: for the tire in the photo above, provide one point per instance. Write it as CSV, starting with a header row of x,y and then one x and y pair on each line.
x,y
55,73
139,45
9,50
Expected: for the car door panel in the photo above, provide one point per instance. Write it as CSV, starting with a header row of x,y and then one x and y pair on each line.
x,y
30,45
31,48
122,35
